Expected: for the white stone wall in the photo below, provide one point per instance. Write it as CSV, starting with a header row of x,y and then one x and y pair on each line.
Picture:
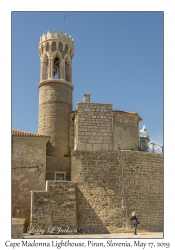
x,y
93,124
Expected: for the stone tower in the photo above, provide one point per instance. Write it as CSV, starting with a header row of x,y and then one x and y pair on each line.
x,y
56,51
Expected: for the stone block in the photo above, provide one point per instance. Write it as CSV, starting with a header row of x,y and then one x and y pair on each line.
x,y
81,146
98,141
91,141
97,146
81,119
88,133
89,146
105,146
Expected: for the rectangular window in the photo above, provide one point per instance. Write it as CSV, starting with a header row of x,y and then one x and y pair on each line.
x,y
60,176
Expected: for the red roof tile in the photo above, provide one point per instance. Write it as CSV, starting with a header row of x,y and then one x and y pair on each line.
x,y
23,133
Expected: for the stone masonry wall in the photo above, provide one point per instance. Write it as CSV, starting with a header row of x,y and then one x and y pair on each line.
x,y
17,226
125,133
55,207
93,126
111,185
28,172
55,104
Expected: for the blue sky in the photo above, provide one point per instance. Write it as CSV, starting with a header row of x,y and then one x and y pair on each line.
x,y
118,59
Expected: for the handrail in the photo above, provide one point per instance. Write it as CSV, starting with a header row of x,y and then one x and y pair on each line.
x,y
151,147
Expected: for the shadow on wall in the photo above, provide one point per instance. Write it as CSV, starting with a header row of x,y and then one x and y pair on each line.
x,y
87,219
100,210
49,149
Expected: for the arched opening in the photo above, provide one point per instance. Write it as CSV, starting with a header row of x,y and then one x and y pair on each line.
x,y
67,73
53,46
60,47
56,68
56,65
47,47
66,49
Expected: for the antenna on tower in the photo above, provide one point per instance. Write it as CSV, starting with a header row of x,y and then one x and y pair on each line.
x,y
63,22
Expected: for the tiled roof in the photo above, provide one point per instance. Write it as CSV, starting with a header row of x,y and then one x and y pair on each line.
x,y
23,133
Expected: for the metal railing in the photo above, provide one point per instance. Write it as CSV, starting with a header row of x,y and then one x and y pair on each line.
x,y
151,147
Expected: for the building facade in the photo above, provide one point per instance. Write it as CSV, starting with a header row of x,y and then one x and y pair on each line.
x,y
84,169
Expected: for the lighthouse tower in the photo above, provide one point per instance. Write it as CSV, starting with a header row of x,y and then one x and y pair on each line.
x,y
56,51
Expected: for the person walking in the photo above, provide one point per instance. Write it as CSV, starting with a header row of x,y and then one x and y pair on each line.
x,y
135,222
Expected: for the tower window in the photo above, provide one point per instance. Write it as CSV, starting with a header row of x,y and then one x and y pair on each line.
x,y
53,46
56,68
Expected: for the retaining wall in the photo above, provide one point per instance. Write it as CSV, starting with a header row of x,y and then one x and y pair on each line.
x,y
111,185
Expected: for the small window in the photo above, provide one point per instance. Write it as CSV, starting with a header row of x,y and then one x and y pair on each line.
x,y
60,176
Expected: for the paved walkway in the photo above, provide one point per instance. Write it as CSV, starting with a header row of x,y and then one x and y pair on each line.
x,y
145,235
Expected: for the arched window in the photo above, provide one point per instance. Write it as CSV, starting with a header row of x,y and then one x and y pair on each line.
x,y
60,47
47,47
53,46
56,66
